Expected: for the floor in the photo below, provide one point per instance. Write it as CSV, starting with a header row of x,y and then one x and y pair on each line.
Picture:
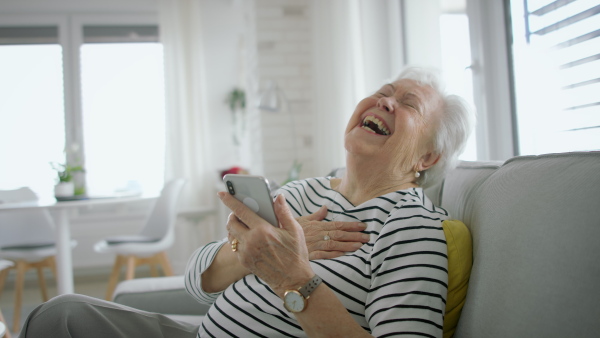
x,y
88,283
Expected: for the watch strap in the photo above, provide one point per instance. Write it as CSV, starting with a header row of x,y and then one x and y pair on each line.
x,y
309,287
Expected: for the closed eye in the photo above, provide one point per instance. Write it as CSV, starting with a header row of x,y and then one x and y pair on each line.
x,y
412,101
413,106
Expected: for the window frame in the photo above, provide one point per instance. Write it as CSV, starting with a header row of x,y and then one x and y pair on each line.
x,y
76,39
62,22
70,38
492,83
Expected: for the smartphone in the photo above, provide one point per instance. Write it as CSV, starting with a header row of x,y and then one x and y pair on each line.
x,y
253,191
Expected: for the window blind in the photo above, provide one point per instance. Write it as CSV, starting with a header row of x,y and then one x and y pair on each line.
x,y
25,35
569,30
121,33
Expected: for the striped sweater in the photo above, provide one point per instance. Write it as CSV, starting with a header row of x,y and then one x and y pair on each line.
x,y
394,285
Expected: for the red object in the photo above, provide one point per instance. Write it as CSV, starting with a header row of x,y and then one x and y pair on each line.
x,y
234,170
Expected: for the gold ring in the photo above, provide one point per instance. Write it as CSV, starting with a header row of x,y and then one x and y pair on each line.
x,y
326,237
234,244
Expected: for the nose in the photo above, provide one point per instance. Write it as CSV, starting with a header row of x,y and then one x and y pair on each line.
x,y
387,104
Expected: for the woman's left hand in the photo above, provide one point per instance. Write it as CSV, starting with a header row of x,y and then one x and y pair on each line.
x,y
278,256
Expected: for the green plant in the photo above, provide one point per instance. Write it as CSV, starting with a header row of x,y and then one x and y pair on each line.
x,y
236,100
65,171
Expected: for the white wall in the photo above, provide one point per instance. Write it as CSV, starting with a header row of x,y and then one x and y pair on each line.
x,y
224,29
284,55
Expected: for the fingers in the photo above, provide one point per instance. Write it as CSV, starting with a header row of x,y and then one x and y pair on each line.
x,y
235,228
347,236
337,231
334,245
283,212
243,213
319,215
344,226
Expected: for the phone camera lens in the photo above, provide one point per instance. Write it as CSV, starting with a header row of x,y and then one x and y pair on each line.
x,y
230,188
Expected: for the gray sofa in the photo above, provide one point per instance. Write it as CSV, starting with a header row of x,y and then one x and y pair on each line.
x,y
535,223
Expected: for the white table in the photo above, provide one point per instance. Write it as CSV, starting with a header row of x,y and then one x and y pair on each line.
x,y
60,213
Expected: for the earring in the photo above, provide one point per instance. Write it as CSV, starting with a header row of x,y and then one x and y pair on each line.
x,y
417,174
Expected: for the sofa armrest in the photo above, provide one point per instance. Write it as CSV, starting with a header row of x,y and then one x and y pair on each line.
x,y
164,295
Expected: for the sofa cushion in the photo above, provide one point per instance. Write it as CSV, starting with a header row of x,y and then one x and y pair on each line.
x,y
535,230
460,259
455,194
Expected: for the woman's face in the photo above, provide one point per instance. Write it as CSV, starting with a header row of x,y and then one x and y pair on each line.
x,y
395,125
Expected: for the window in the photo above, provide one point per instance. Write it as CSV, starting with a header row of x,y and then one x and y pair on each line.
x,y
456,59
110,115
32,118
556,71
122,108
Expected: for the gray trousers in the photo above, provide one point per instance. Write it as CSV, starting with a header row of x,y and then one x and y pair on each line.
x,y
82,316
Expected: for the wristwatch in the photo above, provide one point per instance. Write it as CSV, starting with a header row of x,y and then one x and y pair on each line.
x,y
296,300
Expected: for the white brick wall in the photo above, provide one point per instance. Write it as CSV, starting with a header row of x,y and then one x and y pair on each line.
x,y
284,55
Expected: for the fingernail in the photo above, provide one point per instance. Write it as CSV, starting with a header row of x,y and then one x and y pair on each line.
x,y
364,225
365,237
221,194
357,246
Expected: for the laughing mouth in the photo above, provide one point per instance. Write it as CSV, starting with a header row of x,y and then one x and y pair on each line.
x,y
375,125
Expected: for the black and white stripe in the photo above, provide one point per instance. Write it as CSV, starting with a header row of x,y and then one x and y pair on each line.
x,y
395,285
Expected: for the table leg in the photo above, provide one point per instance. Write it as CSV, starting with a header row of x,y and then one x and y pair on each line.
x,y
64,261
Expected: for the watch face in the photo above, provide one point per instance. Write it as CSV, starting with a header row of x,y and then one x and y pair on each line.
x,y
293,301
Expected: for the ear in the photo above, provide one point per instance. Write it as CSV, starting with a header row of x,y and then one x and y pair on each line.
x,y
427,161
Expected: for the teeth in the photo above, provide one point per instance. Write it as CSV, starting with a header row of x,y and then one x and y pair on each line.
x,y
369,129
378,122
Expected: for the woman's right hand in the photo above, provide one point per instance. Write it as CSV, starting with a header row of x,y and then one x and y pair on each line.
x,y
343,236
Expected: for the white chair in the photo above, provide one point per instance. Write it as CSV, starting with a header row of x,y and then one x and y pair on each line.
x,y
27,240
4,266
150,245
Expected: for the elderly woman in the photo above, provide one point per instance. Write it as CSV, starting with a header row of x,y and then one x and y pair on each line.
x,y
361,255
404,136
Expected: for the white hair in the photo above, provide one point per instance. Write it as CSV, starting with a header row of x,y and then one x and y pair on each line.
x,y
455,125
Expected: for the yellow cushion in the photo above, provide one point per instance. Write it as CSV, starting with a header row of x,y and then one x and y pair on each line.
x,y
460,260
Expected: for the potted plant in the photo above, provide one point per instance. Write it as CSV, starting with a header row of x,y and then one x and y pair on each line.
x,y
65,187
236,100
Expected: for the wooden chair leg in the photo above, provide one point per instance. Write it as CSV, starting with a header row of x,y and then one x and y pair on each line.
x,y
22,266
3,275
164,262
114,277
131,263
153,270
52,264
42,282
